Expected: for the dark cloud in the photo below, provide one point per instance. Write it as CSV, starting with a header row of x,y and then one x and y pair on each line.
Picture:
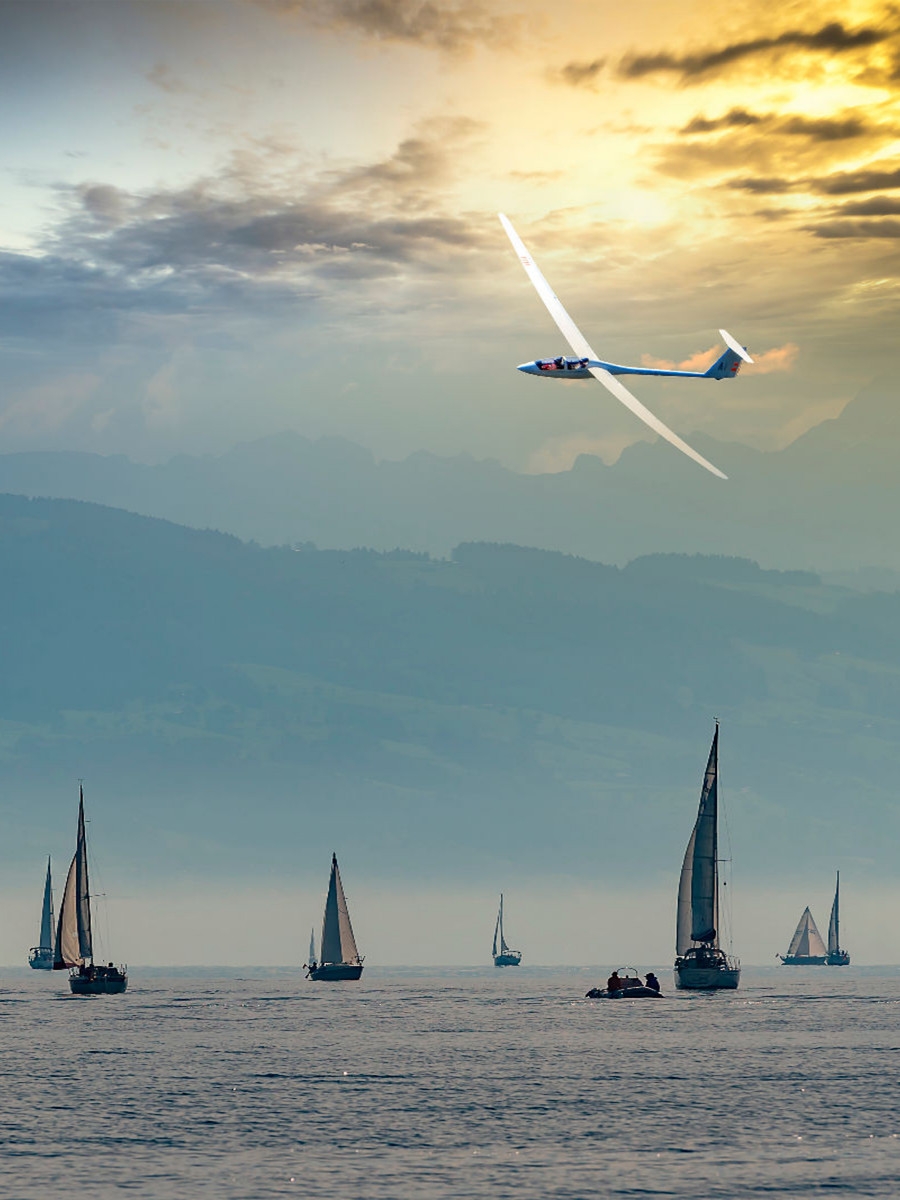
x,y
105,203
419,163
817,129
841,183
830,39
875,206
856,229
762,186
452,27
870,180
737,118
242,243
830,129
578,74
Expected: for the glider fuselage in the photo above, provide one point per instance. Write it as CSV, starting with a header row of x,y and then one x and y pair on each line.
x,y
580,368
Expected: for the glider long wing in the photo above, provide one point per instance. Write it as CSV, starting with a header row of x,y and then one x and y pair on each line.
x,y
579,344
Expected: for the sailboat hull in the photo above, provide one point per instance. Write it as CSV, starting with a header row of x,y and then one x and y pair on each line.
x,y
336,971
40,958
802,960
511,959
707,979
838,958
707,969
98,981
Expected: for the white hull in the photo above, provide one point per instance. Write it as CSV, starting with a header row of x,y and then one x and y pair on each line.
x,y
707,979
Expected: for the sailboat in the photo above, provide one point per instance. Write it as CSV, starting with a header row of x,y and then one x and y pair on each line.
x,y
40,957
836,956
700,962
807,948
503,956
340,958
74,947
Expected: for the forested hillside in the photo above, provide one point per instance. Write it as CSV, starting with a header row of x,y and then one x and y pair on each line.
x,y
423,710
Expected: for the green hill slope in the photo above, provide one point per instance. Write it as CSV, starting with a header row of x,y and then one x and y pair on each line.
x,y
230,703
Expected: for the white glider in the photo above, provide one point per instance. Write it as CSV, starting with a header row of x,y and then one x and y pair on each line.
x,y
588,365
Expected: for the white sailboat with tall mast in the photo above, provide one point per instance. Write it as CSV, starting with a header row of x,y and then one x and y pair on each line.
x,y
836,956
74,948
503,956
807,948
338,955
40,957
700,962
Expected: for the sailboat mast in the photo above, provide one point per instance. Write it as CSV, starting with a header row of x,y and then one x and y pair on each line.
x,y
715,844
83,891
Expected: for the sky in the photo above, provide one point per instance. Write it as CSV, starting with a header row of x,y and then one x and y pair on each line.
x,y
555,922
222,219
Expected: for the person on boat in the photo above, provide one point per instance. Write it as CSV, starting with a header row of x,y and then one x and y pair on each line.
x,y
652,982
614,983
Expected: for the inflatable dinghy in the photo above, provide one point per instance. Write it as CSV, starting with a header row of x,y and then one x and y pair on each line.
x,y
632,988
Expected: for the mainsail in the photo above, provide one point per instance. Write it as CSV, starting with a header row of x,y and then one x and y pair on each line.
x,y
698,889
46,939
705,866
74,944
834,933
312,945
498,929
807,941
338,944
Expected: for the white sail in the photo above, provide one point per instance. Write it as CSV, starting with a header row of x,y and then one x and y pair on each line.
x,y
74,943
683,921
834,932
807,941
312,945
46,938
494,951
338,943
704,864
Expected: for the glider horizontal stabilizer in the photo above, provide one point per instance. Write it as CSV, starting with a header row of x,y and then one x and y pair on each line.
x,y
735,345
579,344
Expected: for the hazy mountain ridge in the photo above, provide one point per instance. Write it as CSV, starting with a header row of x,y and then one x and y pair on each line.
x,y
429,711
825,502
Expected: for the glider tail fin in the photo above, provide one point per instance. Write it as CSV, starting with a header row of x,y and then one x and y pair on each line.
x,y
725,367
729,364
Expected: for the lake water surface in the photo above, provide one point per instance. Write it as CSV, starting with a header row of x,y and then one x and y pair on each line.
x,y
464,1085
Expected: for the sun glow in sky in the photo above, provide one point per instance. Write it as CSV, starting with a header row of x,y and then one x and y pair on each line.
x,y
219,220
